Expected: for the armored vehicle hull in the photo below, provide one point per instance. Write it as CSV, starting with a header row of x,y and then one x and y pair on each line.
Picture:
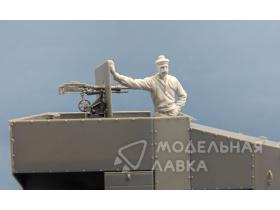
x,y
132,150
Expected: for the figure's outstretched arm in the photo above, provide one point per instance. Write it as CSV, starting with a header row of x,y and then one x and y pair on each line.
x,y
129,82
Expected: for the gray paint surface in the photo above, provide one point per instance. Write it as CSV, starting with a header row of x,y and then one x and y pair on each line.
x,y
230,170
268,160
103,77
235,170
71,142
171,130
137,187
77,145
129,180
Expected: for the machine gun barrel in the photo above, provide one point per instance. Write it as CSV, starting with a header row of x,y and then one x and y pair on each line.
x,y
77,87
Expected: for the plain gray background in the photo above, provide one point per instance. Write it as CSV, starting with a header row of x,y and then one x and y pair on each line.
x,y
230,69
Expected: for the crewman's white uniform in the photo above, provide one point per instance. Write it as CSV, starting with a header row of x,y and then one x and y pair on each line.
x,y
163,92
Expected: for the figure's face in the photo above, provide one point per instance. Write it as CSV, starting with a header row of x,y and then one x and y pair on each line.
x,y
163,70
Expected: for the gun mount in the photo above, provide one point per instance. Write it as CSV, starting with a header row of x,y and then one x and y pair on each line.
x,y
102,106
97,108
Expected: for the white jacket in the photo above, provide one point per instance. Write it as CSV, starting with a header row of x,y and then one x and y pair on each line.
x,y
163,92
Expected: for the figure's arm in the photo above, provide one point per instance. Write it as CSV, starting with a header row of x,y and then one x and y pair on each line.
x,y
182,96
129,82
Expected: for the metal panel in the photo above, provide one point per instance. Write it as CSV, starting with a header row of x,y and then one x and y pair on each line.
x,y
142,187
267,168
132,114
103,77
225,168
134,180
82,145
169,173
80,115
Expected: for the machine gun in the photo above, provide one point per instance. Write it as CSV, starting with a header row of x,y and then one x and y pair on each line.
x,y
97,108
102,106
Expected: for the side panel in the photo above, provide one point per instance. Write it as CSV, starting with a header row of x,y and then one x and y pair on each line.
x,y
228,162
267,168
133,180
171,136
82,145
103,77
132,114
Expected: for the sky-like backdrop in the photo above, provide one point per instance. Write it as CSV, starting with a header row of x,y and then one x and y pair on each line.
x,y
230,69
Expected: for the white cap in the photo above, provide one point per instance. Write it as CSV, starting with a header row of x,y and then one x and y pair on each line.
x,y
162,60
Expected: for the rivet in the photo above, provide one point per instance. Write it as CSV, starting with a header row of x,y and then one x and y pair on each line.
x,y
12,139
128,176
156,131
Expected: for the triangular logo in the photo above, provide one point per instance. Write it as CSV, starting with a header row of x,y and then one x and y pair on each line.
x,y
122,151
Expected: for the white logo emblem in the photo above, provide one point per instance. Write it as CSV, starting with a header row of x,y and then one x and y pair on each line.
x,y
127,163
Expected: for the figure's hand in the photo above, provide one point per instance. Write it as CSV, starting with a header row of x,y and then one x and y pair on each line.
x,y
112,67
177,111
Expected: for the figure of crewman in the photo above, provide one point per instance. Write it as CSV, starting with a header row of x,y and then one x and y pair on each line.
x,y
163,88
